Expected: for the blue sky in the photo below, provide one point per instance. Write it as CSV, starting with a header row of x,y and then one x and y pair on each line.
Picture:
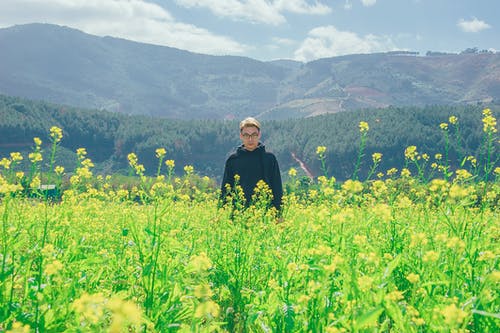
x,y
302,30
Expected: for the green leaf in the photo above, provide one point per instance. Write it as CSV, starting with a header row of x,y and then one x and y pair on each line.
x,y
369,318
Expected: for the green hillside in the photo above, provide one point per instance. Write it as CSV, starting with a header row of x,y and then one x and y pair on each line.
x,y
109,137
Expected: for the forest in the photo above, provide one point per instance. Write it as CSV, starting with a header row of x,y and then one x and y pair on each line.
x,y
205,144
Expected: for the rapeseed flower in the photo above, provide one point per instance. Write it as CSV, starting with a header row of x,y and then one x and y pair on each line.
x,y
59,170
430,256
489,122
207,309
453,315
199,263
411,152
16,157
394,296
363,126
352,186
35,157
453,120
188,169
37,142
365,283
443,126
292,172
53,267
56,134
5,163
376,157
320,150
391,171
413,278
160,152
123,315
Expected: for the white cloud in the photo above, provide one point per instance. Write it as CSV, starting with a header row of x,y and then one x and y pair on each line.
x,y
302,7
368,3
284,41
473,25
327,41
136,20
257,11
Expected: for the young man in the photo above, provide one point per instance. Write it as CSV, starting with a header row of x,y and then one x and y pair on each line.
x,y
252,163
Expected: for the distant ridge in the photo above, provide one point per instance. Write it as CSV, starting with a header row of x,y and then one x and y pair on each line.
x,y
64,65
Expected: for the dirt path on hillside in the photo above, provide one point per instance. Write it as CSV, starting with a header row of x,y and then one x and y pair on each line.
x,y
303,166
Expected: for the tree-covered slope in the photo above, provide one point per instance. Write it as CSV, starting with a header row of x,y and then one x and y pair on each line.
x,y
205,144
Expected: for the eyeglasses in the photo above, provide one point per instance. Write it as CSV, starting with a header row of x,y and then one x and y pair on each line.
x,y
247,136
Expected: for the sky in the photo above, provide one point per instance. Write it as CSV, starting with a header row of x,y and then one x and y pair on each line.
x,y
302,30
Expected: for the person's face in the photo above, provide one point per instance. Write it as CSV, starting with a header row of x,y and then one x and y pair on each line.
x,y
250,137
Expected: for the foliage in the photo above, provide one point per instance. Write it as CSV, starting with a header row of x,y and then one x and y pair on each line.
x,y
109,137
158,254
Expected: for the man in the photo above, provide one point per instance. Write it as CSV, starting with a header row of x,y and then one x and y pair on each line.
x,y
252,163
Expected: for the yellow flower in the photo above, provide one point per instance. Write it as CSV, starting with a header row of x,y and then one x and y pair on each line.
x,y
37,142
35,182
203,291
438,156
418,321
489,122
188,169
443,126
405,172
413,278
418,239
453,120
123,314
170,163
377,157
486,255
458,192
53,267
320,150
91,307
363,126
359,240
292,172
81,152
392,171
453,315
352,186
462,174
56,133
16,157
394,296
35,157
87,163
160,152
207,309
59,169
132,159
430,256
199,263
18,327
5,162
365,282
411,152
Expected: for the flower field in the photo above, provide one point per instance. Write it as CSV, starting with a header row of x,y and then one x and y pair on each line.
x,y
411,250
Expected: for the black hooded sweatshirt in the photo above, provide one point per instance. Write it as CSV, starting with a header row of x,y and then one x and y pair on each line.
x,y
253,166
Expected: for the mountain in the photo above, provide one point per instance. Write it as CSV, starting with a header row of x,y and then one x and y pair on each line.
x,y
66,66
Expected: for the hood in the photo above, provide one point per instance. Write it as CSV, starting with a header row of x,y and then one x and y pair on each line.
x,y
241,149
